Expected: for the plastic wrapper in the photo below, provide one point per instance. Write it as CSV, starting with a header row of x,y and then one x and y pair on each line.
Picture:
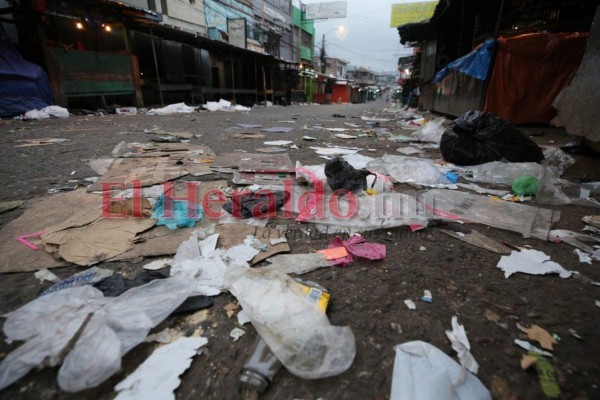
x,y
432,131
502,173
558,160
478,137
417,171
294,328
109,329
521,218
116,328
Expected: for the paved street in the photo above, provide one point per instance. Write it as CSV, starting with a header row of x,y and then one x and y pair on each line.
x,y
368,296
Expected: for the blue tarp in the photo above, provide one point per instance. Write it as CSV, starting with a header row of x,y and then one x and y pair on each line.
x,y
24,86
475,64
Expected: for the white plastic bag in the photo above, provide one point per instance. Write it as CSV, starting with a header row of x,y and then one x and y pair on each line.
x,y
178,108
47,112
291,324
432,131
424,372
502,173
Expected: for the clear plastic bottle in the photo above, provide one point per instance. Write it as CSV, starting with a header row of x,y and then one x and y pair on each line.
x,y
260,368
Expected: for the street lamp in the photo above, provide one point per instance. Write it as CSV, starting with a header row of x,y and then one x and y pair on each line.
x,y
340,30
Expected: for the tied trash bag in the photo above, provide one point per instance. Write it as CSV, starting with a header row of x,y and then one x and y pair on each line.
x,y
341,175
479,137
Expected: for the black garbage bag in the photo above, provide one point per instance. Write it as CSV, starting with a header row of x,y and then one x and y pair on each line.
x,y
256,204
478,137
341,175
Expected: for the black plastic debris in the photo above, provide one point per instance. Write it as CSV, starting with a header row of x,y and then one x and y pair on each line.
x,y
341,175
256,204
478,137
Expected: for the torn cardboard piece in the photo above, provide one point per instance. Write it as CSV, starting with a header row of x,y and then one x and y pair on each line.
x,y
231,235
37,215
478,239
540,335
100,240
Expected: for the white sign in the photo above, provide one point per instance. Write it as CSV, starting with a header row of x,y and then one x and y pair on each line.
x,y
236,30
332,9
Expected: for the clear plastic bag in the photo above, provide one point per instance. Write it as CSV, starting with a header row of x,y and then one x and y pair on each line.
x,y
411,170
502,173
432,131
292,325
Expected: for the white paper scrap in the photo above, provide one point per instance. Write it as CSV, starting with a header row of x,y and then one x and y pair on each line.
x,y
532,262
236,334
410,304
583,257
529,347
158,376
243,317
158,264
45,275
460,344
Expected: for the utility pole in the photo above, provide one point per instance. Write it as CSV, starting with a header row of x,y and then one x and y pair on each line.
x,y
323,62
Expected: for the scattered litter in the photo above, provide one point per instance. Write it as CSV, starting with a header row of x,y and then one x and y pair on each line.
x,y
369,119
297,263
176,213
158,376
481,190
110,327
529,347
126,110
308,138
278,142
258,204
47,112
558,160
532,262
231,308
546,374
583,257
412,170
424,372
27,243
491,316
177,108
224,105
276,241
334,253
525,185
521,218
341,175
478,239
593,220
45,275
422,248
356,246
272,150
409,151
158,264
540,335
574,333
427,297
236,334
243,318
249,126
432,131
410,304
479,137
163,337
277,129
87,277
245,135
10,205
335,151
345,136
280,311
460,344
39,142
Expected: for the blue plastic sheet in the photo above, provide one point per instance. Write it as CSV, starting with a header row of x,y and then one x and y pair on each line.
x,y
176,214
476,64
24,86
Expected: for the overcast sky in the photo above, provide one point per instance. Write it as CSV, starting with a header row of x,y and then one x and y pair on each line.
x,y
368,41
